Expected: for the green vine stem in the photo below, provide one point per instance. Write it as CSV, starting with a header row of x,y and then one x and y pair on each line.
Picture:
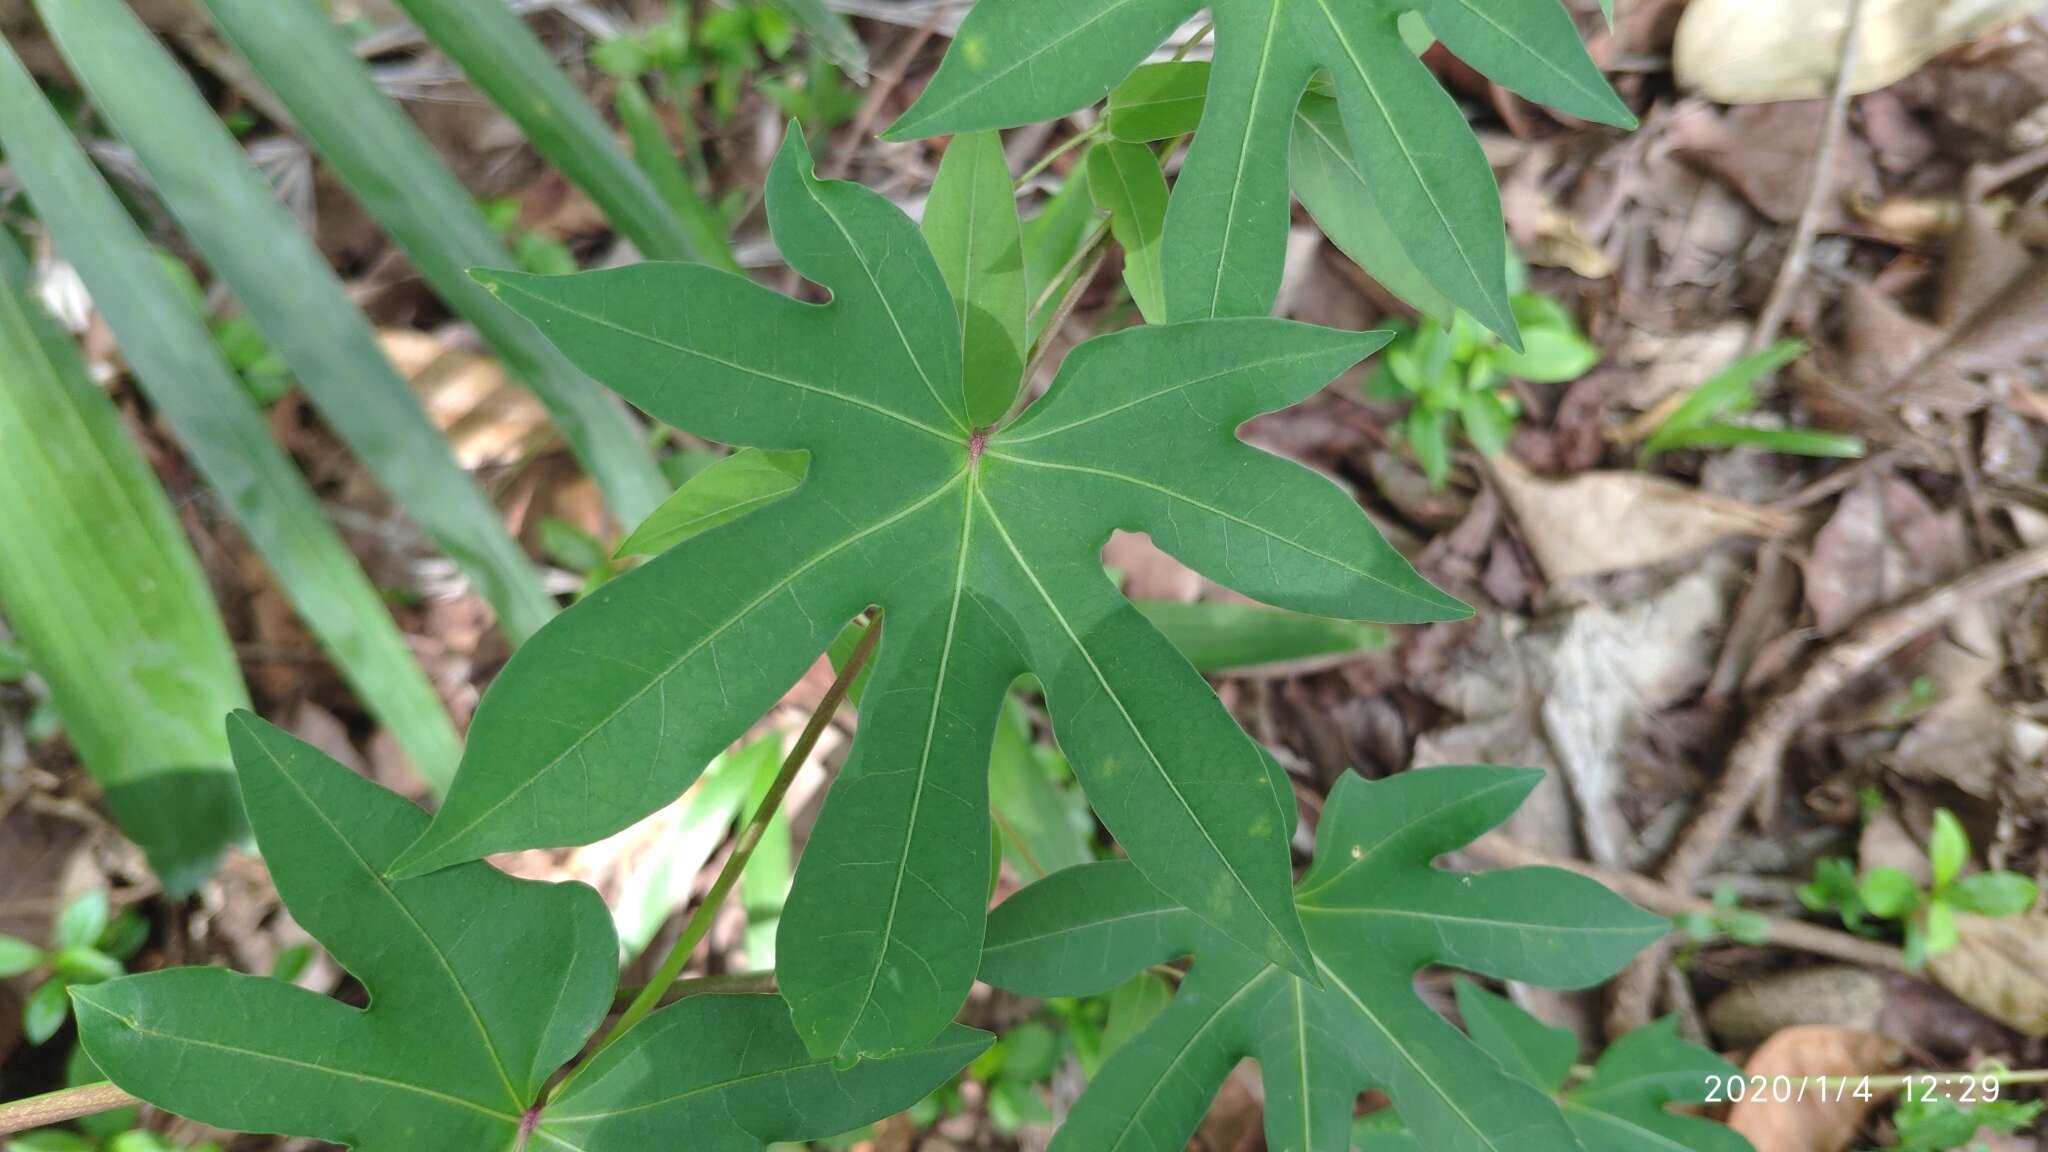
x,y
57,1107
743,850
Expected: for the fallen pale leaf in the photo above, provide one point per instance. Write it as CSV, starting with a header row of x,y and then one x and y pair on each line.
x,y
1612,521
2000,968
1758,51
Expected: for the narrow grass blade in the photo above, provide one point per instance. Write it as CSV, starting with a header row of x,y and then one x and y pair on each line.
x,y
1222,637
1128,184
748,479
400,180
656,156
229,211
179,367
100,584
504,58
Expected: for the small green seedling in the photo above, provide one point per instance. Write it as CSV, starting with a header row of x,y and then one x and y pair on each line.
x,y
1726,920
1703,420
92,946
126,1140
536,252
1456,377
1940,1124
1927,916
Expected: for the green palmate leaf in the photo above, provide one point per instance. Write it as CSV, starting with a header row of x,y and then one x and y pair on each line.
x,y
178,365
503,57
983,550
970,223
232,216
1016,61
1377,911
1335,190
1624,1106
1044,827
1127,183
1159,101
1051,240
97,579
1219,637
738,484
390,166
481,986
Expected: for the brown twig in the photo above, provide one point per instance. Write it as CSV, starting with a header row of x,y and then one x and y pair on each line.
x,y
58,1107
1793,272
1797,935
886,83
1756,757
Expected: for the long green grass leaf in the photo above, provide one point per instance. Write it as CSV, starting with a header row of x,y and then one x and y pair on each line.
x,y
179,367
656,156
395,173
504,58
252,242
100,584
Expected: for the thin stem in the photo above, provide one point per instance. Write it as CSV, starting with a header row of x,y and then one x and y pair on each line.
x,y
743,849
1195,41
57,1107
728,983
1095,250
1087,249
1086,135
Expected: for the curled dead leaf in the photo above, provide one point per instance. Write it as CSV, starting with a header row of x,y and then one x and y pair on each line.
x,y
2000,968
1810,1123
1758,51
1612,521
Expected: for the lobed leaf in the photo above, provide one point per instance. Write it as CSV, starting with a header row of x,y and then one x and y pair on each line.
x,y
970,224
983,550
1377,911
1127,183
481,987
1017,61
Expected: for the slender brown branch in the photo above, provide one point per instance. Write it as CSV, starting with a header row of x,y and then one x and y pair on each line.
x,y
1665,901
699,924
1757,756
1822,184
58,1107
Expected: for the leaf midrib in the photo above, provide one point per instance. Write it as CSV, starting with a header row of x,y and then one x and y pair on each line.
x,y
1184,498
1510,35
1166,1074
1637,1131
1158,765
668,670
683,350
306,1065
1401,141
924,759
1027,59
1488,922
433,947
1244,151
1393,1041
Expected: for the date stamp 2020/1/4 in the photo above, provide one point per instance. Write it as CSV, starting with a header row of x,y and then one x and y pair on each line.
x,y
1965,1089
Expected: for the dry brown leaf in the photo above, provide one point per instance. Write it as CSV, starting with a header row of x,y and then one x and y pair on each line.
x,y
1767,153
489,418
1758,51
2000,968
1812,1124
1612,521
1884,541
1828,994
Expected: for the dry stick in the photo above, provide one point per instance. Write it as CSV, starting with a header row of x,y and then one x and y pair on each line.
x,y
57,1107
743,850
1793,272
1655,896
1757,755
886,83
